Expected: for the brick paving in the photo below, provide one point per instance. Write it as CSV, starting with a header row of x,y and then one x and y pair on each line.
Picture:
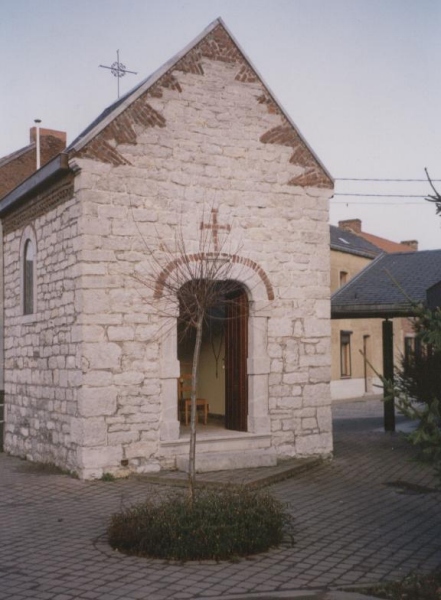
x,y
352,527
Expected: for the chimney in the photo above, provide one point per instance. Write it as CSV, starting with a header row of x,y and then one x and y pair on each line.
x,y
353,225
413,244
48,143
60,135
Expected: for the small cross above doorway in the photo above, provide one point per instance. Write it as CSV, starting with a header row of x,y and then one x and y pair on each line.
x,y
215,228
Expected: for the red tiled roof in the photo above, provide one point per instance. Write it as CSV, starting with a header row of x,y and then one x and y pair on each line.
x,y
385,245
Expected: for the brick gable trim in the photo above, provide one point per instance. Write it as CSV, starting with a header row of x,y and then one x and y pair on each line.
x,y
215,43
313,175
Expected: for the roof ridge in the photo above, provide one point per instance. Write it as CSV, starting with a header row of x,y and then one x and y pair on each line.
x,y
112,111
380,237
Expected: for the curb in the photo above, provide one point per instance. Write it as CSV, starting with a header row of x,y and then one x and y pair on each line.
x,y
296,595
255,478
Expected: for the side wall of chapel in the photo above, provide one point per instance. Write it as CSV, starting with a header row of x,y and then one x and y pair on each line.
x,y
42,350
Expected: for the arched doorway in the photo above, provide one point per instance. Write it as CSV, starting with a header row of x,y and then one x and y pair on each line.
x,y
223,377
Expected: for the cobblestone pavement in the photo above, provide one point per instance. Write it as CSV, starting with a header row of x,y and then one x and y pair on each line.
x,y
370,514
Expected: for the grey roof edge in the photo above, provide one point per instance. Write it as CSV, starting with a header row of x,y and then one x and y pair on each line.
x,y
56,166
354,251
273,96
350,242
372,311
138,90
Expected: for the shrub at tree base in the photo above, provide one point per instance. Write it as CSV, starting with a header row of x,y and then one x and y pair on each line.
x,y
217,525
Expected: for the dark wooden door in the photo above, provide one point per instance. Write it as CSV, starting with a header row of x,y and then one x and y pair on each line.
x,y
236,354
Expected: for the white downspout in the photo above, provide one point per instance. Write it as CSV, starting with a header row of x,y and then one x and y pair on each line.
x,y
37,141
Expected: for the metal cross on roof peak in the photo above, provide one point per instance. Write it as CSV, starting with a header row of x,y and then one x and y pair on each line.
x,y
118,70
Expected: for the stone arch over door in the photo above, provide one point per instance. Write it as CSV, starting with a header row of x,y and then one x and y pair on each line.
x,y
260,293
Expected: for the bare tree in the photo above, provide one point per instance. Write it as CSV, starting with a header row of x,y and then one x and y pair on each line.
x,y
196,282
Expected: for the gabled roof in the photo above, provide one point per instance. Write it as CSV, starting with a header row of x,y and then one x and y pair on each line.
x,y
117,107
351,243
354,226
205,47
389,286
114,126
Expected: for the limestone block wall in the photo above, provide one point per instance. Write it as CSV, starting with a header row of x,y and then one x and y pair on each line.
x,y
119,398
202,138
42,356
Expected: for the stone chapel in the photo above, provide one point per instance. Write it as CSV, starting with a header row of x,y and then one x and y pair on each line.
x,y
91,363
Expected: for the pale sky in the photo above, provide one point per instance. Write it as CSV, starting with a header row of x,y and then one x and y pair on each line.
x,y
360,78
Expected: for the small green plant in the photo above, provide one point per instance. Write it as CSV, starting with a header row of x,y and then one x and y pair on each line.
x,y
219,524
107,477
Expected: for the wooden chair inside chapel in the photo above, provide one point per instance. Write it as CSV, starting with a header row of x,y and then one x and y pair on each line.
x,y
184,400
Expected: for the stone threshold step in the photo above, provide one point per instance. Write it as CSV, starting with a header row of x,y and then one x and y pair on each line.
x,y
207,462
255,477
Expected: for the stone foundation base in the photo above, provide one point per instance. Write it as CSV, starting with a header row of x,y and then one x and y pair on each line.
x,y
226,461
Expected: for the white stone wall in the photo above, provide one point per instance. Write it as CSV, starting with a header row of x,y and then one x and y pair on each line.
x,y
118,402
42,353
208,154
90,379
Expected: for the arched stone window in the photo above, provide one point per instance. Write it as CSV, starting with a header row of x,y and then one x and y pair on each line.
x,y
28,278
28,255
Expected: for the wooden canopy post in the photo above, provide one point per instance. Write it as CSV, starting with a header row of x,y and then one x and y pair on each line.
x,y
388,374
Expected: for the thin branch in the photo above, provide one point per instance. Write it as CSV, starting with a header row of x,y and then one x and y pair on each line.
x,y
436,199
192,285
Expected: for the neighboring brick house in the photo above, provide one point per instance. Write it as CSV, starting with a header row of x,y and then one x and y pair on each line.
x,y
91,362
20,165
389,288
357,343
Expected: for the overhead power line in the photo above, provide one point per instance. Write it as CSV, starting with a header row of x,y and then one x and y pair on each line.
x,y
385,180
386,203
381,195
358,195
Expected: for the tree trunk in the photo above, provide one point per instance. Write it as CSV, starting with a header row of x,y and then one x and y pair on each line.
x,y
194,383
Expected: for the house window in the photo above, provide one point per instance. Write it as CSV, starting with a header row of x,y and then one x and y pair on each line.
x,y
343,278
345,353
28,278
409,349
413,351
